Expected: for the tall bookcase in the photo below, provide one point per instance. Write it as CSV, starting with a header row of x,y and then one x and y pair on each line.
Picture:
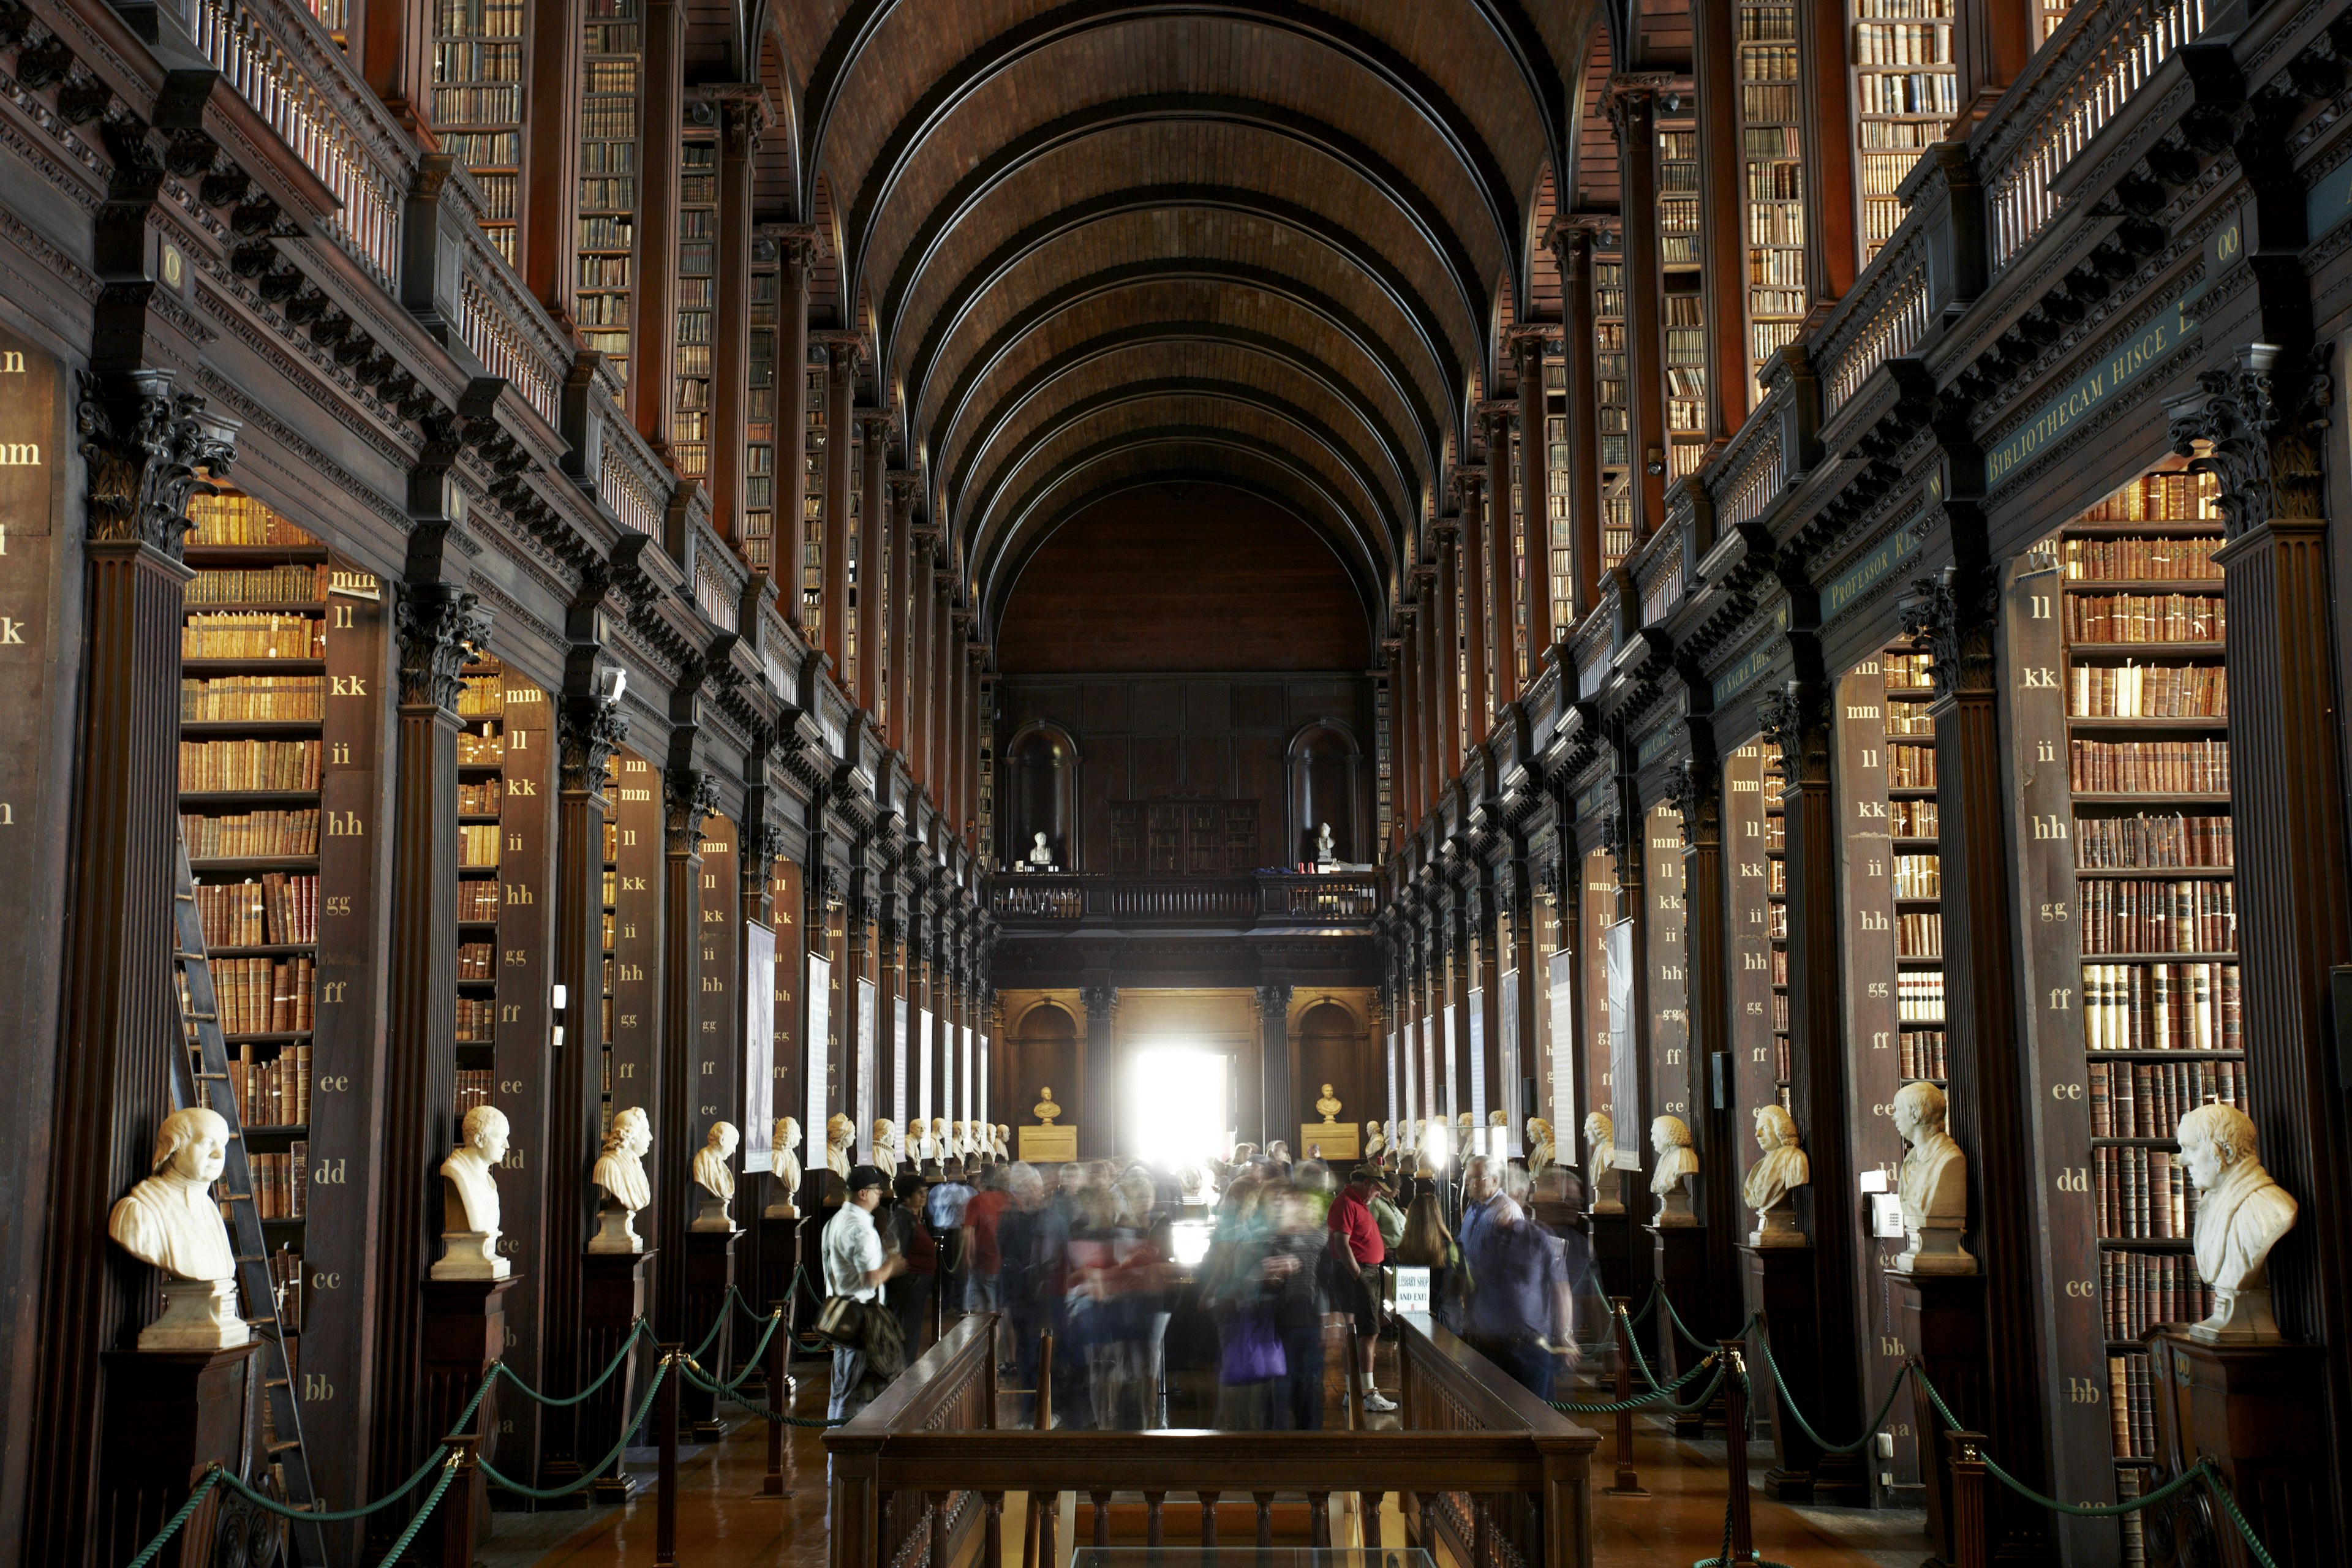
x,y
284,658
1776,917
1756,1047
611,908
2121,755
1773,171
759,411
481,791
1905,91
812,509
1681,225
611,70
698,304
478,103
1559,538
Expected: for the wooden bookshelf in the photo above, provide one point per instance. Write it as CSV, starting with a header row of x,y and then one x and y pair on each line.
x,y
1755,1047
813,508
1905,91
759,526
612,104
1597,913
1669,961
477,56
2130,952
1772,169
719,1074
1776,920
698,304
1681,227
635,793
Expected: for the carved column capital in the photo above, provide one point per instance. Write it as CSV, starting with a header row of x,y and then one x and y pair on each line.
x,y
772,843
589,730
1956,612
1102,1003
440,629
796,253
1469,484
688,795
144,443
2261,431
1274,1004
1797,719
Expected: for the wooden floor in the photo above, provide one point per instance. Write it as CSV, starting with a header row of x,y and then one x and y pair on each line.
x,y
722,1523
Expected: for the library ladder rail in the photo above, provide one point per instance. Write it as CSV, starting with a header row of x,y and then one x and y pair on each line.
x,y
206,1081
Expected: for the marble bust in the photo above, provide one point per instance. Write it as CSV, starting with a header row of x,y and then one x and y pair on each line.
x,y
787,1167
170,1220
1933,1188
1040,858
1326,855
1540,1149
1044,1111
1374,1144
2241,1214
1326,1106
1670,1138
469,1224
885,1145
1771,1179
620,1174
1004,1140
1600,1161
839,1132
714,1177
1498,1132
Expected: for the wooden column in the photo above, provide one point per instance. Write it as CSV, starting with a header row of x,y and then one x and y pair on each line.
x,y
792,419
961,752
1495,435
1436,625
1724,238
1535,491
2266,425
1825,131
1797,719
1517,891
898,622
688,796
1469,485
1572,245
938,710
1484,908
740,122
653,338
1404,728
440,624
591,729
1273,1065
119,1010
547,239
1633,115
393,48
840,383
1450,635
1696,792
919,602
873,546
1992,41
1992,1113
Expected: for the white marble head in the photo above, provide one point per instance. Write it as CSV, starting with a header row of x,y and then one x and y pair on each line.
x,y
787,1133
1669,1133
1599,1130
2214,1137
838,1131
1775,1128
1919,1110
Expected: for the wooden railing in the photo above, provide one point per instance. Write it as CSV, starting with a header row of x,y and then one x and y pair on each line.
x,y
1480,1462
1344,898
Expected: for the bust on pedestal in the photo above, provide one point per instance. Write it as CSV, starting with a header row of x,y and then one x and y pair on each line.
x,y
1670,1137
787,1167
170,1220
1327,855
1773,1179
1541,1150
469,1225
620,1174
1374,1146
716,1179
2241,1214
1601,1163
885,1145
1933,1188
839,1133
1040,857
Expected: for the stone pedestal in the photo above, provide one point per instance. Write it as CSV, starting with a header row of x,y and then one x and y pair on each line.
x,y
169,1415
1942,1319
613,1289
465,1332
2260,1413
1778,1281
709,1270
1679,1252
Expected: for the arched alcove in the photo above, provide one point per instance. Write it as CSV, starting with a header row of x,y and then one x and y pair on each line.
x,y
1044,1055
1040,794
1326,778
1331,1046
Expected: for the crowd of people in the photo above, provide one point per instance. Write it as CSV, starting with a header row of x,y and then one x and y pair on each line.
x,y
1210,1294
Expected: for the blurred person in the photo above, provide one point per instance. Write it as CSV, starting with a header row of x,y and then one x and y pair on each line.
x,y
1516,1312
1297,1246
1233,1284
943,1211
1356,1254
1481,1189
856,1266
981,1260
908,1293
1032,1239
1428,1244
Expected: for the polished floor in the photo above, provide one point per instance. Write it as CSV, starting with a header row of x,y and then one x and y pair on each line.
x,y
724,1523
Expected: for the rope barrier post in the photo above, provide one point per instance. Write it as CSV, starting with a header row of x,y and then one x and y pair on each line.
x,y
1734,1451
1045,1380
1968,1498
779,1397
1628,1481
1358,1417
458,1508
665,1440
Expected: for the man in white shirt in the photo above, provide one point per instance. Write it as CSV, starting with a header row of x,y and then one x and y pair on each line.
x,y
855,1266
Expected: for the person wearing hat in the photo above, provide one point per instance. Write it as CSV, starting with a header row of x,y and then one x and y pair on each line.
x,y
856,1266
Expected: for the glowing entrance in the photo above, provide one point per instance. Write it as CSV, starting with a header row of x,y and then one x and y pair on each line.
x,y
1179,1114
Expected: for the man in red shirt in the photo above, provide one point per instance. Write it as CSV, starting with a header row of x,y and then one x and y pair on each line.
x,y
1351,1272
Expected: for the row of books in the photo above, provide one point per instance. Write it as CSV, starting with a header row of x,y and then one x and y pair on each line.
x,y
477,1020
1912,92
1923,1054
473,1089
1919,935
1906,671
1776,922
2147,692
2111,618
261,585
479,799
2160,1007
474,961
2163,767
2147,1099
252,834
276,909
233,634
1918,876
1911,819
1909,719
2131,1405
285,1285
1920,997
477,900
2140,560
274,1093
2145,843
263,995
230,519
2143,1194
479,750
266,698
478,844
483,697
2194,915
1902,44
2137,1290
1911,767
206,765
280,1182
2175,496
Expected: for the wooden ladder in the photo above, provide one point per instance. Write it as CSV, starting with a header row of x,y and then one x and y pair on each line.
x,y
200,1076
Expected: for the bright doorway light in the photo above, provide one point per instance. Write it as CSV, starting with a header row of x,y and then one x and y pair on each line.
x,y
1178,1112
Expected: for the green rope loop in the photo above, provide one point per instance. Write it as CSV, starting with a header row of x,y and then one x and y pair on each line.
x,y
694,1375
448,1473
1764,1348
337,1516
639,1330
1656,1393
588,1477
172,1526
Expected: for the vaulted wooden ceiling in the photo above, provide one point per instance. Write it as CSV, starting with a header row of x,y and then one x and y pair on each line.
x,y
1098,243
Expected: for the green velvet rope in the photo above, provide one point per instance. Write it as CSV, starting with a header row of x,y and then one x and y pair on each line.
x,y
172,1526
640,1330
589,1477
694,1375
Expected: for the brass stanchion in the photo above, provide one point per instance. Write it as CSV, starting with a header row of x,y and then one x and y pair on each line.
x,y
665,1440
1968,1498
1628,1481
779,1400
1734,1446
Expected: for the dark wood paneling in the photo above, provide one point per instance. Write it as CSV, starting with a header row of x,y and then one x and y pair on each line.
x,y
1184,577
